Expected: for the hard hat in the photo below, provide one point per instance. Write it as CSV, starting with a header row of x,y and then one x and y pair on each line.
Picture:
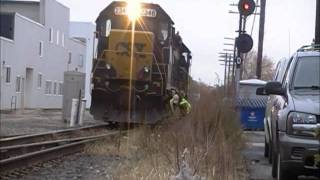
x,y
175,99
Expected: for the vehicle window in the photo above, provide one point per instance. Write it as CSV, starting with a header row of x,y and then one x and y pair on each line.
x,y
282,69
307,73
275,77
287,70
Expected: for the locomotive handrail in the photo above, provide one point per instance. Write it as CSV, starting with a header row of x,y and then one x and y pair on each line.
x,y
155,58
159,72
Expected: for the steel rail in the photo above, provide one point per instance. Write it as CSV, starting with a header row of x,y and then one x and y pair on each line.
x,y
27,139
48,154
10,151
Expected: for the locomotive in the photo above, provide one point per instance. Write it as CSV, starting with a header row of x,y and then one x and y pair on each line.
x,y
137,64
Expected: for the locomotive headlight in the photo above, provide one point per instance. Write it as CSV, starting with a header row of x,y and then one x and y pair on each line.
x,y
108,66
302,124
146,69
133,9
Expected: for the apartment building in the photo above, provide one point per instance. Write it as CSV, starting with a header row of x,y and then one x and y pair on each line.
x,y
35,51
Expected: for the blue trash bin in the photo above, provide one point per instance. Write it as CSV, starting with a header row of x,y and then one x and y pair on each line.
x,y
252,112
251,107
252,118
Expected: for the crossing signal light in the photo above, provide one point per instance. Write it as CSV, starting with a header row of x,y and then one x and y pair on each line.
x,y
246,7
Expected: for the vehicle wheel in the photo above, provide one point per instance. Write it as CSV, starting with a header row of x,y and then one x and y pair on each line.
x,y
282,172
266,147
274,164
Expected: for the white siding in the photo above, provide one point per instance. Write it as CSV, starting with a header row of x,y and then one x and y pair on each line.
x,y
85,30
38,63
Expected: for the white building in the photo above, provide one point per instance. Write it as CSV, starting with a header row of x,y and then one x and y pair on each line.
x,y
35,50
85,31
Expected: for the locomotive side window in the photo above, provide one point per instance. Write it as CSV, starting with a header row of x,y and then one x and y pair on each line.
x,y
108,27
163,31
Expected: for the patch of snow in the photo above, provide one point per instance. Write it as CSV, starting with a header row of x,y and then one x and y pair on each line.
x,y
185,171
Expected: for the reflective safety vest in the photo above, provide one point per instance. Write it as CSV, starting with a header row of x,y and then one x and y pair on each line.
x,y
184,104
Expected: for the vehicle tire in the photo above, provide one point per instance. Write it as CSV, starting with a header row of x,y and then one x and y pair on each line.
x,y
266,148
274,164
282,172
270,153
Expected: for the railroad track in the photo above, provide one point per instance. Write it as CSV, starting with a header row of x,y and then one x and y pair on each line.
x,y
22,151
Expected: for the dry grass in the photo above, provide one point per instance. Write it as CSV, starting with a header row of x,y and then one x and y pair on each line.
x,y
211,134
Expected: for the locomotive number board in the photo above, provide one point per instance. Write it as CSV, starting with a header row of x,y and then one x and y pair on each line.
x,y
144,12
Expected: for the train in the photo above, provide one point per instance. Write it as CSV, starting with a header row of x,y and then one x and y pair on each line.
x,y
137,65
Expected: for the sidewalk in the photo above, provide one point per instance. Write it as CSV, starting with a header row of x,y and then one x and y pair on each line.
x,y
36,121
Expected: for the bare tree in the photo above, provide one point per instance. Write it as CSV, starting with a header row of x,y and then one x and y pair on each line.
x,y
250,65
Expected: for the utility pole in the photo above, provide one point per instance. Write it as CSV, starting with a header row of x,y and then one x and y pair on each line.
x,y
232,54
225,57
225,74
261,37
317,31
229,69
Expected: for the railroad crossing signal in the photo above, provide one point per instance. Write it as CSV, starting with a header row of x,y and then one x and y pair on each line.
x,y
246,7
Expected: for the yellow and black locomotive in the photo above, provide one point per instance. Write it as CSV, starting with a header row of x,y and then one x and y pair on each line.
x,y
139,60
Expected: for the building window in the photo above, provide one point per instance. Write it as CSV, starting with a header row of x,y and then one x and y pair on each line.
x,y
55,88
60,88
62,40
18,84
51,35
48,87
39,80
69,57
8,74
41,49
57,37
81,60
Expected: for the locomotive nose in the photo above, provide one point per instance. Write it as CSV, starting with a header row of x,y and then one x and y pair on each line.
x,y
135,66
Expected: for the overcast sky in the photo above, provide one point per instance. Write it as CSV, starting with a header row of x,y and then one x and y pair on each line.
x,y
203,24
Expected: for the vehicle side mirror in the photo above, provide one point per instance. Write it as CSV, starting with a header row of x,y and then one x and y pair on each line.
x,y
274,88
261,91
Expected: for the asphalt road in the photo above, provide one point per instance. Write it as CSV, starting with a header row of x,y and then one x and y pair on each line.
x,y
258,166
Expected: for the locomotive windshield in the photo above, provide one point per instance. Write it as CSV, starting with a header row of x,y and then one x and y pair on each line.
x,y
123,22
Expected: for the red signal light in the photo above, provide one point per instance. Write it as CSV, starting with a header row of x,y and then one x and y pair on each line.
x,y
246,6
